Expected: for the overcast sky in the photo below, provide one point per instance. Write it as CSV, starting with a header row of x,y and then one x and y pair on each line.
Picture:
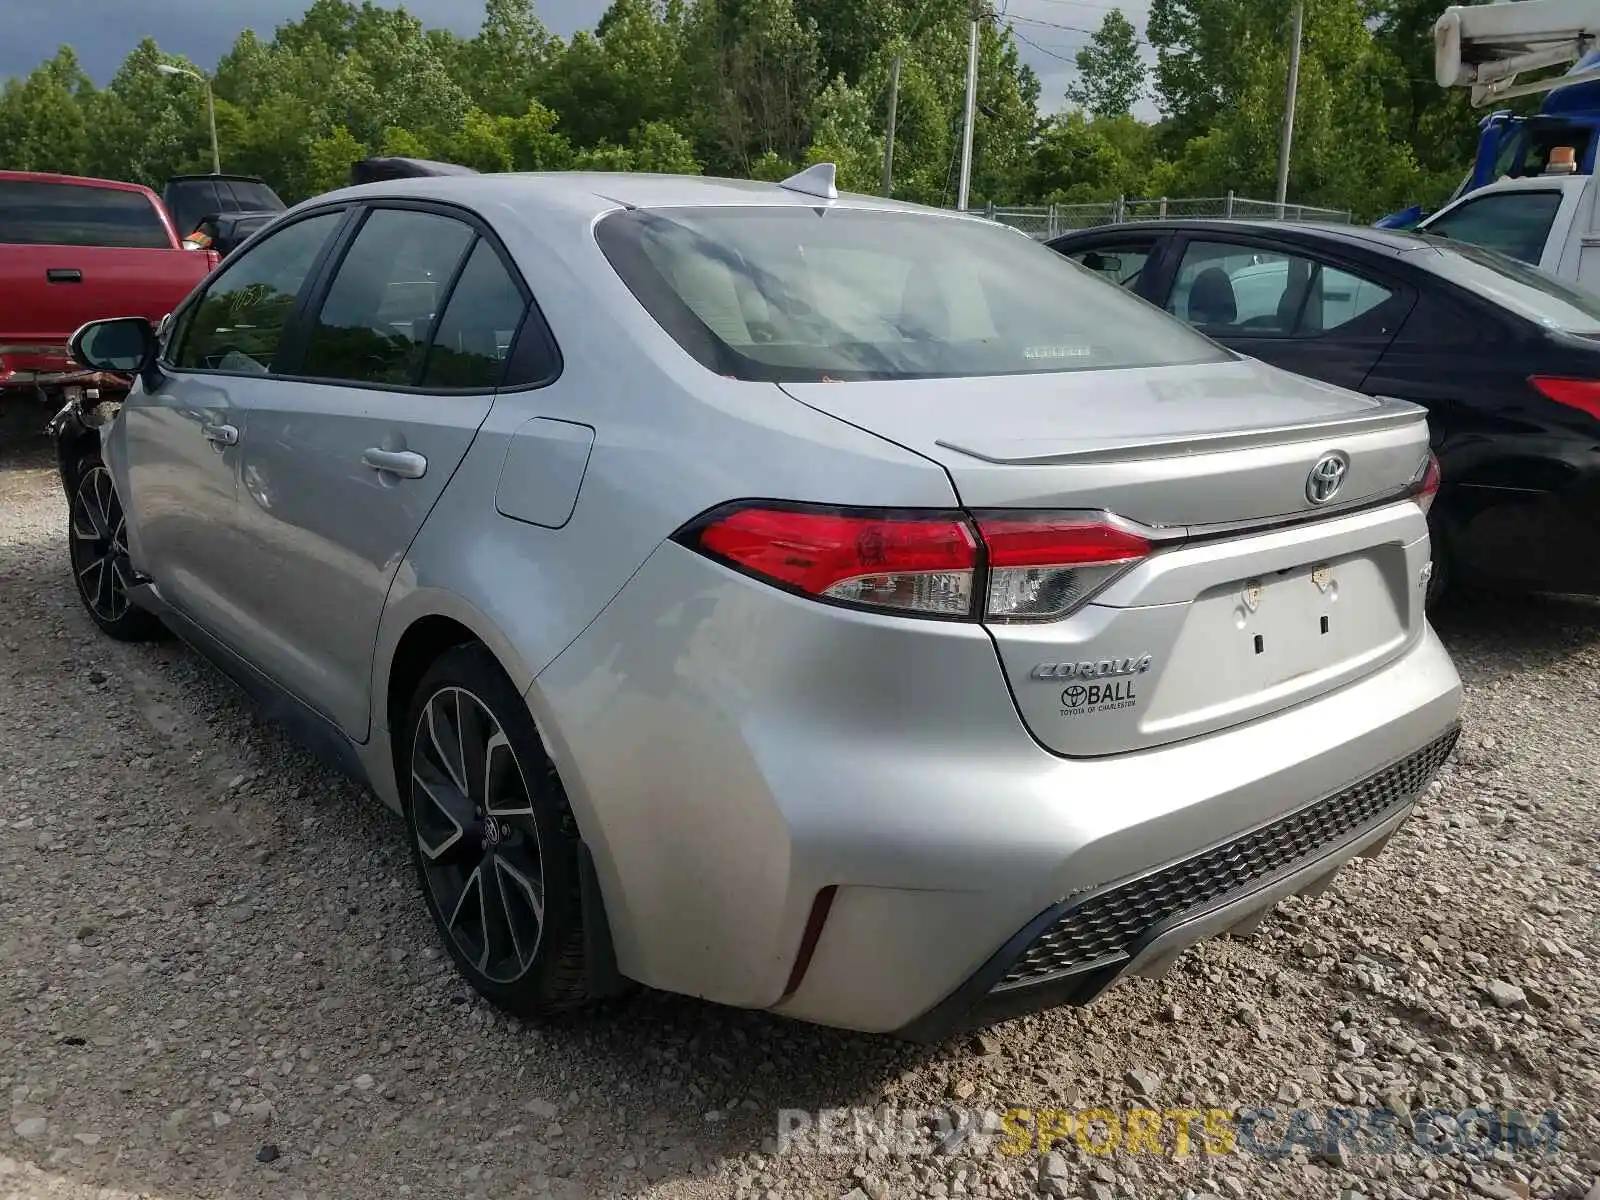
x,y
103,31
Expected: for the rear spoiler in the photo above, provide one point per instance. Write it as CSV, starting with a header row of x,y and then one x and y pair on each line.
x,y
1486,46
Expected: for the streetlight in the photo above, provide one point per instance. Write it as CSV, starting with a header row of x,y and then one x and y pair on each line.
x,y
211,109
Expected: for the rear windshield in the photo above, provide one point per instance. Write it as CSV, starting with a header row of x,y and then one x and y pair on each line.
x,y
191,201
1525,290
813,294
70,214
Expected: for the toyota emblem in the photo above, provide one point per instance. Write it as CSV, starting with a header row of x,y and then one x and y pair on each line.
x,y
1326,478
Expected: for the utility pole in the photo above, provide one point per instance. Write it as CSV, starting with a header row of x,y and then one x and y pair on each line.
x,y
971,105
888,138
211,114
211,108
1288,107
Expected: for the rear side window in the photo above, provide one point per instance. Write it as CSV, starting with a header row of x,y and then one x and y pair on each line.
x,y
191,201
69,214
378,314
1527,291
1237,290
238,323
479,324
789,293
247,196
1513,223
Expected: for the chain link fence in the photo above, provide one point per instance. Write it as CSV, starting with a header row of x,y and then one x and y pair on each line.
x,y
1051,220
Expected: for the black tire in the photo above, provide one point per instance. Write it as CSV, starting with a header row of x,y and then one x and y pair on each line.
x,y
98,550
1440,588
510,825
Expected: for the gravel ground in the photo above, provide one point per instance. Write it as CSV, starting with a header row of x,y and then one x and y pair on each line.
x,y
216,977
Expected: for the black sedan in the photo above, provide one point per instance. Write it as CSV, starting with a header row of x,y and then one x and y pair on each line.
x,y
1505,358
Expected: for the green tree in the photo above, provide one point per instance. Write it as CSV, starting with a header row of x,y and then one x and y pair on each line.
x,y
657,146
329,159
1079,161
752,69
628,73
503,67
43,118
1110,73
845,137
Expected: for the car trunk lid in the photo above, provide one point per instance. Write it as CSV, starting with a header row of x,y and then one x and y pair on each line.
x,y
1257,594
1167,446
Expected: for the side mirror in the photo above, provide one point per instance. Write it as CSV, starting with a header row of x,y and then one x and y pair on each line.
x,y
1107,263
123,345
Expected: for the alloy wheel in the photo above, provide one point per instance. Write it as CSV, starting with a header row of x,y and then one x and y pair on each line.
x,y
99,546
475,828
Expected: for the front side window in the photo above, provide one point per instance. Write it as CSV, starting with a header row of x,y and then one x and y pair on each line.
x,y
803,294
1236,290
237,325
1514,223
1119,263
378,314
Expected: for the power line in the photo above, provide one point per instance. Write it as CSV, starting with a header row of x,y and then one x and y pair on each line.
x,y
1022,37
1138,41
1088,4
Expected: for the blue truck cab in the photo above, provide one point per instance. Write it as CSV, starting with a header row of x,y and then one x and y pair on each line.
x,y
1512,146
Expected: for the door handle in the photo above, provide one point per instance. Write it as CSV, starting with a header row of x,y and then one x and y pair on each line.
x,y
220,435
407,464
63,275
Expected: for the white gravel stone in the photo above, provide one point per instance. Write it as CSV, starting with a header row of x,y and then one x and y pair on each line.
x,y
185,1009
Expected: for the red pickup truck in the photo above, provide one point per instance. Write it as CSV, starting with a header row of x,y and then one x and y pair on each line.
x,y
74,250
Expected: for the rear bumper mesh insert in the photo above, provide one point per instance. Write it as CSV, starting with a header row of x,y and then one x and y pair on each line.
x,y
1102,929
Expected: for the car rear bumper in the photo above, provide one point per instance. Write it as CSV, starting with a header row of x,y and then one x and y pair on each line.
x,y
733,753
1072,952
1535,528
22,362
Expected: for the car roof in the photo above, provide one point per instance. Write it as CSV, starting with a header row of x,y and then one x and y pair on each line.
x,y
119,185
1369,237
171,179
599,192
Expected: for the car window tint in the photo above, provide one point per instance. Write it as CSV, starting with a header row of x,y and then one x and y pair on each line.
x,y
1514,223
1120,263
1231,289
238,324
480,320
374,323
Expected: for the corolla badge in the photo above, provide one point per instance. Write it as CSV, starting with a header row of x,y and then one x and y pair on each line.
x,y
1136,664
1327,477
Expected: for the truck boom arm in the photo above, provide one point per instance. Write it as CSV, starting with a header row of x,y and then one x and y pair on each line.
x,y
1486,46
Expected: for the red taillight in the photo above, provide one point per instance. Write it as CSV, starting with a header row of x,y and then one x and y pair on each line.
x,y
1037,566
1043,566
1427,484
1581,394
913,562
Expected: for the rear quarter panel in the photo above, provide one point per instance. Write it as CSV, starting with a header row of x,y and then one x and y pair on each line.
x,y
671,440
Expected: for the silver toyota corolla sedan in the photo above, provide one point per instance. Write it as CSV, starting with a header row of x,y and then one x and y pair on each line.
x,y
803,601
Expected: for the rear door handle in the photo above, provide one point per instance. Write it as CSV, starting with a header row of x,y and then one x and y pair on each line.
x,y
221,435
407,464
63,275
